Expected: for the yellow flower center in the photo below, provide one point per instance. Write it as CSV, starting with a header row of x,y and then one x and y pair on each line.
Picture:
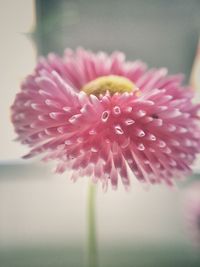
x,y
111,83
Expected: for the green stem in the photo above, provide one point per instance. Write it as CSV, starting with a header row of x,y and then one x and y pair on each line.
x,y
92,243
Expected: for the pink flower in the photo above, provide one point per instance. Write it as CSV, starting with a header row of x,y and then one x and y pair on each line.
x,y
192,211
101,116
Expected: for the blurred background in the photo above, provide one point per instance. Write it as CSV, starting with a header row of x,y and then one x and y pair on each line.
x,y
42,215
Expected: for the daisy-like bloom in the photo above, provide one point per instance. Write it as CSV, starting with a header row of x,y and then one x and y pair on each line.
x,y
192,211
102,116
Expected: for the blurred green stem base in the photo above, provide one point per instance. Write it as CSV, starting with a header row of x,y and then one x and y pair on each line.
x,y
92,242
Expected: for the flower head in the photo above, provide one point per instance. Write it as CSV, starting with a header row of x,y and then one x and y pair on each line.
x,y
102,116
